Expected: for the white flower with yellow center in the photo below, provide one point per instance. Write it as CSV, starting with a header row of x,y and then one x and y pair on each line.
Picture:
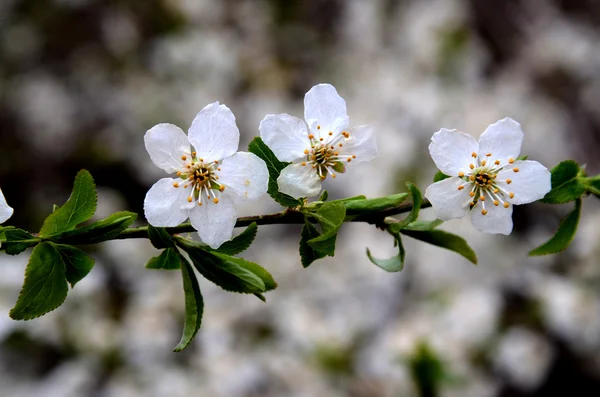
x,y
210,176
486,177
322,146
5,211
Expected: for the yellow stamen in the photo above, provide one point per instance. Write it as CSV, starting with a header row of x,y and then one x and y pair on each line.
x,y
511,160
189,199
176,185
483,212
472,194
505,205
349,160
483,163
333,175
304,163
482,198
306,151
461,187
497,162
184,158
473,154
488,154
216,200
310,136
222,188
511,195
318,127
461,174
330,133
496,203
472,177
471,166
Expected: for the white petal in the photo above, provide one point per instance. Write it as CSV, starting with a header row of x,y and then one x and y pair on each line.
x,y
447,200
163,205
497,220
245,175
285,135
299,181
166,143
323,105
5,211
502,139
214,222
214,133
361,143
451,151
531,183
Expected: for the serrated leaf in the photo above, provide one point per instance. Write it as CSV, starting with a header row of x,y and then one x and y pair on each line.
x,y
307,254
160,238
274,166
566,186
194,304
445,240
330,217
241,242
563,236
417,200
77,263
79,208
440,176
17,240
102,230
167,260
393,264
45,287
368,206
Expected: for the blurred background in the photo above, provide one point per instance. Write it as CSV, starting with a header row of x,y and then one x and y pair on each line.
x,y
82,80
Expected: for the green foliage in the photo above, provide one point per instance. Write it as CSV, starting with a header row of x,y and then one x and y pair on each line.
x,y
80,207
102,230
440,176
324,195
77,263
369,206
566,184
427,370
16,240
393,264
330,217
194,304
424,225
160,238
564,235
443,239
167,260
274,166
241,242
45,287
307,254
417,200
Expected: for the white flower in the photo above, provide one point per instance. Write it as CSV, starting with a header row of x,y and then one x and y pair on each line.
x,y
211,177
322,148
5,211
486,178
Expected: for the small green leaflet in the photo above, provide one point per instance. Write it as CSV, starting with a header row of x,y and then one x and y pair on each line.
x,y
17,240
393,264
566,185
307,254
80,207
77,263
439,176
45,287
330,217
443,239
167,260
417,200
194,304
241,242
369,206
102,230
274,166
160,238
564,235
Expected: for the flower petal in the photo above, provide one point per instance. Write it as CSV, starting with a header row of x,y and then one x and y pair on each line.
x,y
214,133
164,204
361,143
323,105
214,222
447,200
285,135
497,220
529,184
245,175
503,140
5,210
166,143
451,151
299,181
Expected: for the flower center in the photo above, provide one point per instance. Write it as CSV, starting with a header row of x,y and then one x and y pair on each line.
x,y
201,178
324,153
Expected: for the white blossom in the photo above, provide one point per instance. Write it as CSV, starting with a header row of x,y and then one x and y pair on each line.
x,y
210,176
322,146
5,210
485,178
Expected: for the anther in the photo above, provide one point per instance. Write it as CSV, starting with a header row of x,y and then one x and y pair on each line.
x,y
511,195
178,173
471,177
496,203
515,169
482,198
199,204
483,212
330,133
509,181
303,163
353,156
461,187
216,200
218,168
349,159
189,199
472,194
505,204
318,127
310,136
461,174
496,191
333,175
306,151
321,139
201,160
497,162
194,154
488,154
176,185
483,163
340,144
184,158
222,188
473,154
345,134
511,160
471,166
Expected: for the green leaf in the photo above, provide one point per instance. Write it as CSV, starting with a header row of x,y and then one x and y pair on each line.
x,y
17,240
424,225
417,200
194,304
592,184
564,235
241,242
102,230
80,207
77,263
368,206
522,158
167,260
393,264
566,186
444,239
324,196
45,287
440,176
307,254
274,166
160,238
330,216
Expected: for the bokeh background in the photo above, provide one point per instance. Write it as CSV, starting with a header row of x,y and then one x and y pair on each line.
x,y
82,80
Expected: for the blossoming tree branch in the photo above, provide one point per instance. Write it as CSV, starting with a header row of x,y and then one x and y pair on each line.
x,y
207,178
